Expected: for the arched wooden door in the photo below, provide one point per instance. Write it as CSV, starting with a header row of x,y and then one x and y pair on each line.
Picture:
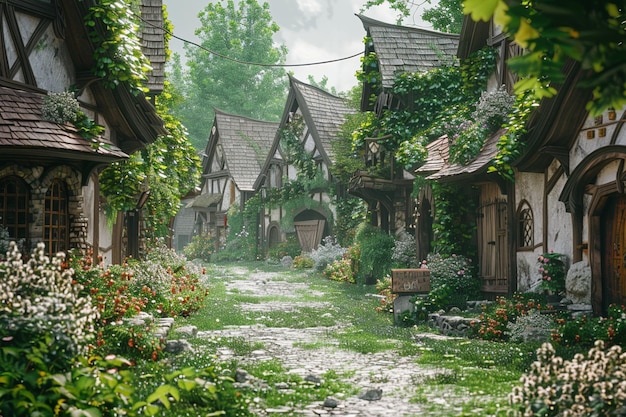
x,y
614,251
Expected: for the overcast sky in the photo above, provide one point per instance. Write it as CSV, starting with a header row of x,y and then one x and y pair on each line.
x,y
312,30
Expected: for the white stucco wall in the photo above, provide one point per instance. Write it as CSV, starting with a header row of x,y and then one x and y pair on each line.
x,y
529,187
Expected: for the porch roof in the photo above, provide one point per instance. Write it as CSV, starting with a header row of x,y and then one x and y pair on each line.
x,y
204,201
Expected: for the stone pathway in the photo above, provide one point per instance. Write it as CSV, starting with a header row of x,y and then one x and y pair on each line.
x,y
395,375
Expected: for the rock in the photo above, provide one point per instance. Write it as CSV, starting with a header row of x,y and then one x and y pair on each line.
x,y
189,331
371,394
330,402
282,386
455,310
241,376
315,380
286,261
177,346
578,283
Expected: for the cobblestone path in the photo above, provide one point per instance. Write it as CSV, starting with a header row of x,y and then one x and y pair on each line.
x,y
395,375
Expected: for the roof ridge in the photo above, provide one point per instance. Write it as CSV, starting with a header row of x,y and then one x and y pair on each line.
x,y
368,21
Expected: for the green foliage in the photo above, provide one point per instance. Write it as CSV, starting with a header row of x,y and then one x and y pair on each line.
x,y
290,247
454,225
114,27
582,331
588,385
169,168
302,262
495,318
553,31
242,31
405,251
510,145
552,270
200,247
351,212
346,268
445,16
376,249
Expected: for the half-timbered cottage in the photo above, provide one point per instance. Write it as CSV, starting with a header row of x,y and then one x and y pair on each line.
x,y
236,150
48,171
396,49
311,121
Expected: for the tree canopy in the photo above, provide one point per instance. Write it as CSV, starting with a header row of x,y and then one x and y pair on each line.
x,y
592,32
444,15
220,73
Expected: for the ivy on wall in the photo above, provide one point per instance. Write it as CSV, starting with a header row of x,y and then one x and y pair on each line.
x,y
113,27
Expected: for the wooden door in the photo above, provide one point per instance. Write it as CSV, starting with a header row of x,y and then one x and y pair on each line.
x,y
492,231
614,251
309,233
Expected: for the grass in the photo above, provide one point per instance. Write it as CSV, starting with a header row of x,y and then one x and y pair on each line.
x,y
469,377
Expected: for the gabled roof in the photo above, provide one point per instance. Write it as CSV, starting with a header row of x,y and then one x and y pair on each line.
x,y
23,133
437,157
245,143
323,112
408,49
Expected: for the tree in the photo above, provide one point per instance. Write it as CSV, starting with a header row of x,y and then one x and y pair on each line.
x,y
446,16
591,32
221,75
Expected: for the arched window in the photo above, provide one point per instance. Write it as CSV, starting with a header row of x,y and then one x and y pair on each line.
x,y
525,227
56,221
14,207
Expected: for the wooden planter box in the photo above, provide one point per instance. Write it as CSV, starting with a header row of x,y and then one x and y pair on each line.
x,y
410,281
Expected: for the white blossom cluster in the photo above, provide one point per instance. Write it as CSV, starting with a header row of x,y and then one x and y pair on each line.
x,y
592,385
40,297
153,271
493,108
60,107
326,253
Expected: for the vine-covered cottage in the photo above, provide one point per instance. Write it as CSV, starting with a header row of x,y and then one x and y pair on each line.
x,y
392,50
235,153
563,195
49,164
296,175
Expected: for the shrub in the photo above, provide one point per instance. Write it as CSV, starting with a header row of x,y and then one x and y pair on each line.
x,y
302,262
552,269
326,253
383,287
200,247
290,247
532,326
583,331
457,273
376,251
592,385
405,251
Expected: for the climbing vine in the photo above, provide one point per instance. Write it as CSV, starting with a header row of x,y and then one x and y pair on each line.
x,y
113,27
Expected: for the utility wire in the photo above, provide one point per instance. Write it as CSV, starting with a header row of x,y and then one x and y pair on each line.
x,y
245,62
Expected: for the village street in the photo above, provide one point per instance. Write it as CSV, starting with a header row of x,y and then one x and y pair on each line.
x,y
382,383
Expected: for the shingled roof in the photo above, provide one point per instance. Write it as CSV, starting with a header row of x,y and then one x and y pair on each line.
x,y
408,49
478,166
324,114
153,42
246,143
24,133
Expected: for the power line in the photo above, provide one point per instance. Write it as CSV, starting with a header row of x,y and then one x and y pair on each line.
x,y
245,62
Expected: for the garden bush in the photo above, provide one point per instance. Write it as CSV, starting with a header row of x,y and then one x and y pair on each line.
x,y
405,251
588,385
290,247
493,323
302,262
346,268
376,249
326,253
200,247
452,281
583,331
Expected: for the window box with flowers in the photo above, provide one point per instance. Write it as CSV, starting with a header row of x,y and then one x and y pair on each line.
x,y
552,270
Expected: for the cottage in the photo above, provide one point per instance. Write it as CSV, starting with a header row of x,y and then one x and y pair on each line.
x,y
48,170
236,150
300,158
